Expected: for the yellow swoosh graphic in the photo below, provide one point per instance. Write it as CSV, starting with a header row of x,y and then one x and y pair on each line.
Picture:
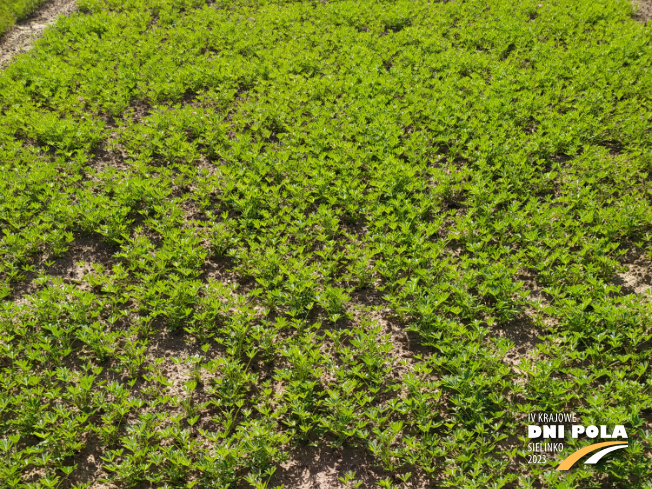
x,y
575,456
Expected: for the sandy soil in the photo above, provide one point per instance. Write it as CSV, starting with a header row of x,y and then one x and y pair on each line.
x,y
644,13
323,467
637,279
20,37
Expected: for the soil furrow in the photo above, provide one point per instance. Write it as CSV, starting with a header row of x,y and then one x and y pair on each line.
x,y
20,37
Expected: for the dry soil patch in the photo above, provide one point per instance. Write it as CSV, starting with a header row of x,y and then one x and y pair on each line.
x,y
644,13
637,278
321,468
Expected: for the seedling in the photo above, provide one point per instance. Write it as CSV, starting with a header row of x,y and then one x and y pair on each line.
x,y
395,228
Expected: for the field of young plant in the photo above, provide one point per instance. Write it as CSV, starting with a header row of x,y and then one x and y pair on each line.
x,y
238,235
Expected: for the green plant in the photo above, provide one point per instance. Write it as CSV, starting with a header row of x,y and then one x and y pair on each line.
x,y
234,229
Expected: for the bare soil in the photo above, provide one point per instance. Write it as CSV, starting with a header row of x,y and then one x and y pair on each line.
x,y
20,37
525,336
323,467
637,279
644,13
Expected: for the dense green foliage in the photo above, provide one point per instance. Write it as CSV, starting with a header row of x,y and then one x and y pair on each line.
x,y
336,209
13,10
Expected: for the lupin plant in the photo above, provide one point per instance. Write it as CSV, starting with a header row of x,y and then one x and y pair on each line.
x,y
238,230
